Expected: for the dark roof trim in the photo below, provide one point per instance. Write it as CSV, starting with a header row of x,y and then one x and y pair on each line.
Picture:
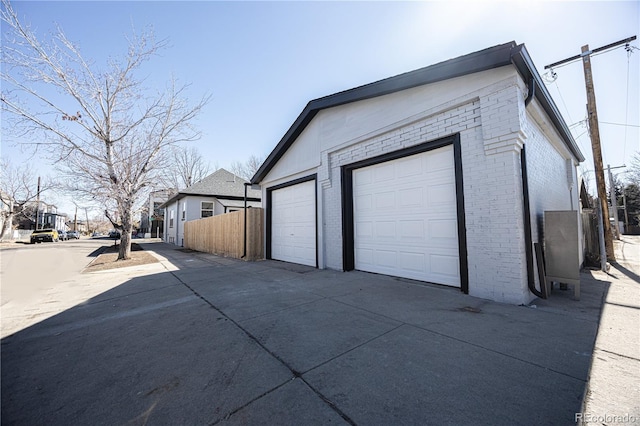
x,y
181,195
493,57
521,59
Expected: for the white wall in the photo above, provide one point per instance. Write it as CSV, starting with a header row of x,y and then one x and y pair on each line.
x,y
552,174
339,125
170,232
487,110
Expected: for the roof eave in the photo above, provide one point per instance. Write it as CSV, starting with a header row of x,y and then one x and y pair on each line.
x,y
182,195
526,68
482,60
490,58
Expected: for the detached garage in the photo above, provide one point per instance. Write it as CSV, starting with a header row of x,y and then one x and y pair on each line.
x,y
440,175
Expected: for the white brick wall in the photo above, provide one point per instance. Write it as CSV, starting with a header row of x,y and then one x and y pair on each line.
x,y
552,180
493,125
493,195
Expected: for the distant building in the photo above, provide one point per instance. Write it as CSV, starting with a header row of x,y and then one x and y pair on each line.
x,y
219,193
152,217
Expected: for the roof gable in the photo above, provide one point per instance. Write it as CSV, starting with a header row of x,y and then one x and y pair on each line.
x,y
220,184
490,58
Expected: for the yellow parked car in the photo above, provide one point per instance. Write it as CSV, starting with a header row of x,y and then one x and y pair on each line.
x,y
40,235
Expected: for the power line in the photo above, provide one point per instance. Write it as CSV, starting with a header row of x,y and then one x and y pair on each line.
x,y
626,110
592,115
590,52
562,99
582,122
620,124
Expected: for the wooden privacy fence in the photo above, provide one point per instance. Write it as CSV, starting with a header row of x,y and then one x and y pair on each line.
x,y
223,235
590,237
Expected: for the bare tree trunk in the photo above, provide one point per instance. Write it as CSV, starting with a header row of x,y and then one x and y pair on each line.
x,y
125,237
6,224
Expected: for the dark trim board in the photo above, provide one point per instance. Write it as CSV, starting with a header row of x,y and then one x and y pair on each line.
x,y
348,242
269,213
494,57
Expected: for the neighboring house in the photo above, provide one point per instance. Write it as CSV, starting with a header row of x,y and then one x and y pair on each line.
x,y
152,218
76,225
54,220
424,176
48,217
220,192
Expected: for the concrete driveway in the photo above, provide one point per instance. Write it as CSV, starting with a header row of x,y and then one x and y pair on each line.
x,y
207,340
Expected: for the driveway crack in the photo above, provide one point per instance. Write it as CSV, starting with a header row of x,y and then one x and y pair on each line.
x,y
295,374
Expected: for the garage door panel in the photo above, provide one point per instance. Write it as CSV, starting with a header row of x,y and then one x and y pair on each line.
x,y
385,230
364,203
443,229
412,229
386,258
411,197
444,265
384,173
293,223
386,200
413,262
410,167
364,230
441,196
439,159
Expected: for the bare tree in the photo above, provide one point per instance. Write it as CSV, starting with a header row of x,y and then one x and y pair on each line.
x,y
18,190
634,169
187,167
247,169
101,126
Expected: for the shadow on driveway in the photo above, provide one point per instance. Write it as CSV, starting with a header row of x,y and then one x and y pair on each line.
x,y
233,342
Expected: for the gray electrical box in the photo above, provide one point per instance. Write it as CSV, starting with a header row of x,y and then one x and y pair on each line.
x,y
562,256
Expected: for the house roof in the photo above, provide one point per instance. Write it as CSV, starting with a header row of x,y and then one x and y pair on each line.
x,y
494,57
220,184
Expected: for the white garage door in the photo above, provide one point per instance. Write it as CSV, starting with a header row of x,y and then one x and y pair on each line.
x,y
405,218
293,223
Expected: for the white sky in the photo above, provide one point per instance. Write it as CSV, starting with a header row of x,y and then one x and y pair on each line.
x,y
263,61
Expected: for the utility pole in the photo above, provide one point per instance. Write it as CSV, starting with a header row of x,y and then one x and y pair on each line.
x,y
624,203
75,220
594,131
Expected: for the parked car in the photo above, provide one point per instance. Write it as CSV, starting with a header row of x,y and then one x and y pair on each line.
x,y
115,235
73,234
40,235
63,235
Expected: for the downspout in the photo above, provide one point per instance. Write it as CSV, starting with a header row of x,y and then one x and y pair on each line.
x,y
527,210
532,92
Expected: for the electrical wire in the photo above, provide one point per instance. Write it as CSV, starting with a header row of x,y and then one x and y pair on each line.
x,y
619,124
592,55
562,99
626,111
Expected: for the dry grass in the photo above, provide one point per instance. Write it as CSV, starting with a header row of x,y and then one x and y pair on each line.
x,y
108,259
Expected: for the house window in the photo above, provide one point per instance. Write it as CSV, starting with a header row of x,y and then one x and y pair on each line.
x,y
184,210
206,209
171,219
157,211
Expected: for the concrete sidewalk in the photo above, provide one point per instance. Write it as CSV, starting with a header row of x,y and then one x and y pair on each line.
x,y
208,340
613,391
